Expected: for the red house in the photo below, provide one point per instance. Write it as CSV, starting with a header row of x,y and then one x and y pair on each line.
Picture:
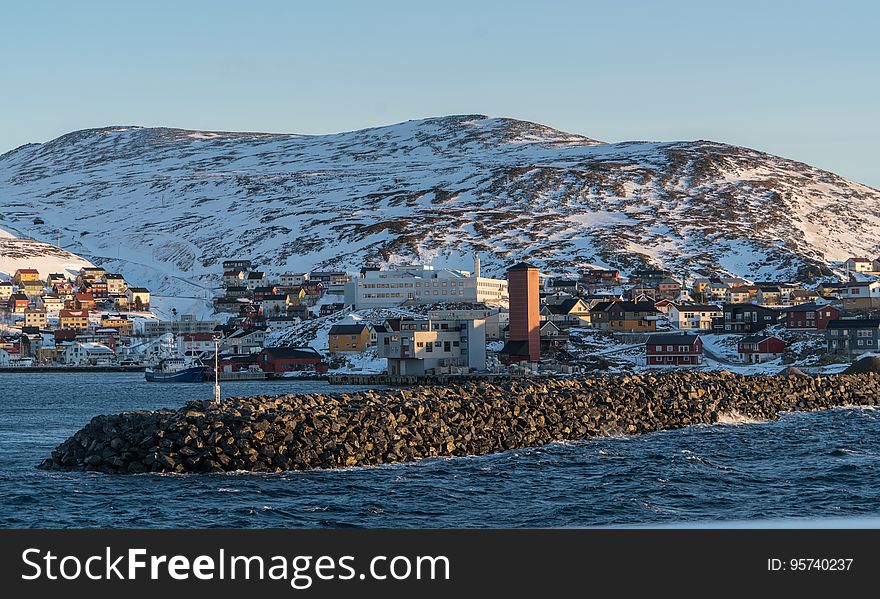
x,y
286,359
678,349
810,316
17,303
755,349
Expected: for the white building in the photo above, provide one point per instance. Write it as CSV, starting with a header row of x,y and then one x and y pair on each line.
x,y
193,344
186,324
858,265
693,316
92,354
294,278
256,279
116,284
424,346
422,284
244,342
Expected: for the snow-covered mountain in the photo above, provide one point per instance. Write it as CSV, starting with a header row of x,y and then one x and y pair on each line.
x,y
166,206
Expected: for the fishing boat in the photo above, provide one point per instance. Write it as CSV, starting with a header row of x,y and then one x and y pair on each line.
x,y
177,370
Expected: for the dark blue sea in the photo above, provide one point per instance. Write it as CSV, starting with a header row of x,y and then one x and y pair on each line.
x,y
805,469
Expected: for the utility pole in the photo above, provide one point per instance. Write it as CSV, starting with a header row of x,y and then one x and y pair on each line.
x,y
216,371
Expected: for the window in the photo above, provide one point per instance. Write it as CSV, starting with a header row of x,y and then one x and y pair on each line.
x,y
429,348
658,348
438,343
669,348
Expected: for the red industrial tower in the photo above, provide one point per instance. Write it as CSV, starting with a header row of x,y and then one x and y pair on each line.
x,y
524,344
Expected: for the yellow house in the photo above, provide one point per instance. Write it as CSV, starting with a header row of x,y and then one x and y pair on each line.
x,y
46,354
77,320
123,325
35,317
349,338
25,274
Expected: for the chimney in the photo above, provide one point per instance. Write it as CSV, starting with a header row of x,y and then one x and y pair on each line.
x,y
476,266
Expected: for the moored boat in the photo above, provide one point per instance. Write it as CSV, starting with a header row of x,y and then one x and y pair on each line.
x,y
176,370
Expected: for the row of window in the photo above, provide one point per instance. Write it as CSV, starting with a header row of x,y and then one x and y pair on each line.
x,y
859,332
681,348
410,285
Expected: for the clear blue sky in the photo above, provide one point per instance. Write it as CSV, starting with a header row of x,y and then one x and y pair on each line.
x,y
798,79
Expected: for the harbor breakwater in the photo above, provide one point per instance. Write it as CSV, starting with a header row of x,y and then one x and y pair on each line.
x,y
307,431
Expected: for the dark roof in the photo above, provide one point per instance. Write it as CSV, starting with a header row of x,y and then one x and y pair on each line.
x,y
292,352
810,307
563,307
672,339
18,297
515,348
138,289
380,328
255,275
747,307
757,338
698,307
347,329
602,306
241,358
634,306
854,323
522,266
564,283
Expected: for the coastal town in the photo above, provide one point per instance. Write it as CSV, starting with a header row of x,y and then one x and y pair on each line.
x,y
422,321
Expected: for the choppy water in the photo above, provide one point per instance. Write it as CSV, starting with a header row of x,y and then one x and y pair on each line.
x,y
804,466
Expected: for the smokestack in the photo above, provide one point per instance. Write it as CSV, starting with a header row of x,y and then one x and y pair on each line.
x,y
476,266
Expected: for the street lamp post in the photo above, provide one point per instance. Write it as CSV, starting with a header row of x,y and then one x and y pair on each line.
x,y
216,371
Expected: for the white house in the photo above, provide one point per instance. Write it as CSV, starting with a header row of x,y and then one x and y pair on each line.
x,y
193,344
294,278
244,342
860,294
116,284
50,302
93,354
858,265
256,279
693,316
4,358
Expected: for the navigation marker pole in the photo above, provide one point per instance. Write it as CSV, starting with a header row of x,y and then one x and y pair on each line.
x,y
216,372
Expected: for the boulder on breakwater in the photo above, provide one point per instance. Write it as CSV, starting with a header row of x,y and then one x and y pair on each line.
x,y
300,432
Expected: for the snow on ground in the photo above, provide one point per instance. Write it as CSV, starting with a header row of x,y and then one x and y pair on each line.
x,y
18,253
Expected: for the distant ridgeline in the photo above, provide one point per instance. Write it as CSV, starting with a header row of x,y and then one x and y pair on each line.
x,y
300,432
